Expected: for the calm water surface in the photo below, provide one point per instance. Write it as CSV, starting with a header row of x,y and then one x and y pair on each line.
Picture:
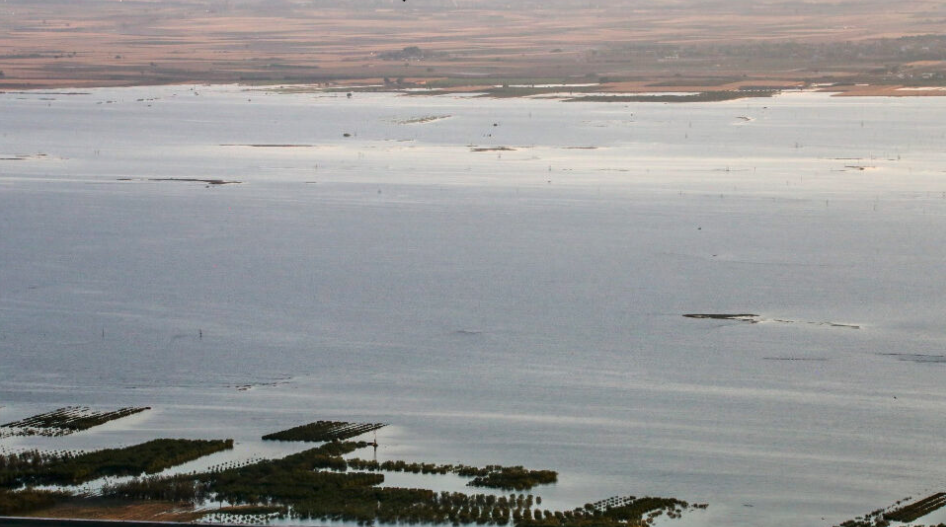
x,y
516,306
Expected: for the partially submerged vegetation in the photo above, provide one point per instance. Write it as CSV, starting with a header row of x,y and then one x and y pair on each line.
x,y
27,500
513,478
491,476
745,317
422,120
186,180
64,421
492,149
899,513
21,157
243,514
919,358
755,319
316,484
42,468
507,90
915,511
324,431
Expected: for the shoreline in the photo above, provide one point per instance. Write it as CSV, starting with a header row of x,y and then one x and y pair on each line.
x,y
599,92
654,48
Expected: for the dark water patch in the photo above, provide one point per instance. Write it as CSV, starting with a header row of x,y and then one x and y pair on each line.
x,y
22,157
755,319
249,386
917,357
492,149
796,359
742,317
185,180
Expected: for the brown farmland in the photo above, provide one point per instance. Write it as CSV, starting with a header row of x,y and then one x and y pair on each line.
x,y
629,45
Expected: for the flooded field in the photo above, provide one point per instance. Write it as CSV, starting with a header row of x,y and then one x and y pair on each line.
x,y
736,303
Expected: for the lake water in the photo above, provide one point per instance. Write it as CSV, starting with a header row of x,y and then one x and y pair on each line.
x,y
515,306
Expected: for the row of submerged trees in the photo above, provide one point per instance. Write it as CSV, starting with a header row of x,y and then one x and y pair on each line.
x,y
68,468
316,485
65,421
491,476
321,431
